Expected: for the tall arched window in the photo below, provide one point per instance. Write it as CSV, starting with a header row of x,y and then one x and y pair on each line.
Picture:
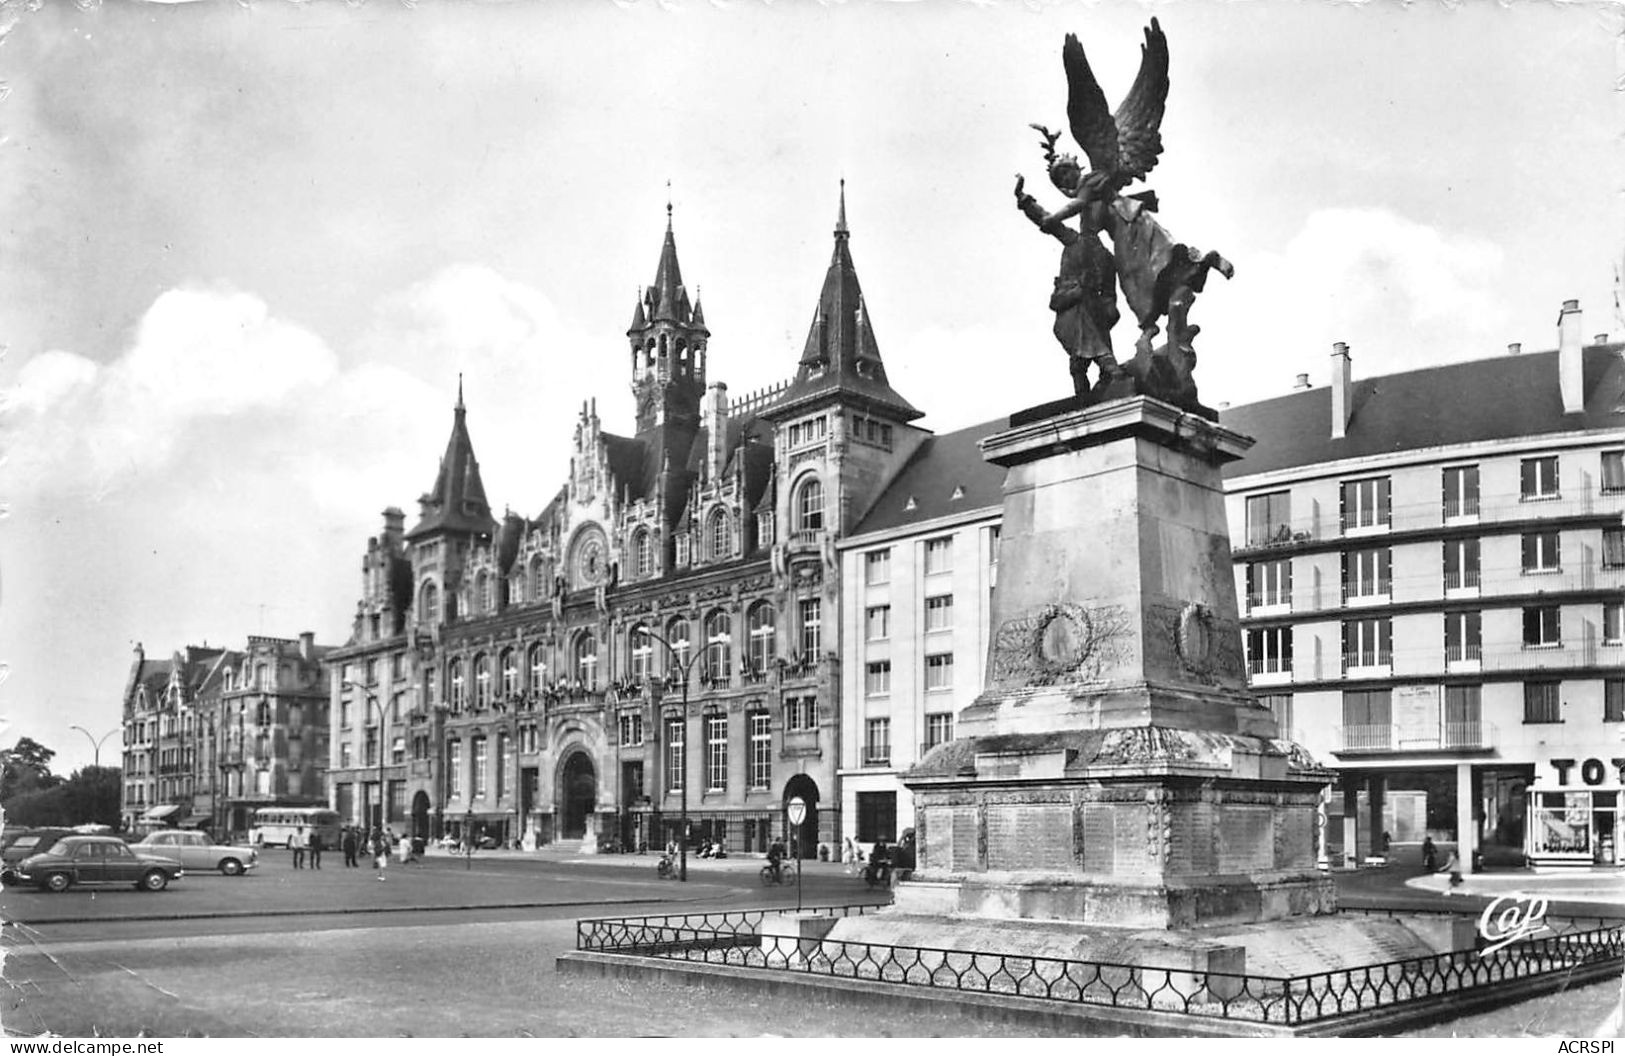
x,y
482,681
762,633
640,648
643,553
677,634
429,687
586,659
538,580
482,592
503,748
429,603
810,506
457,684
718,647
538,668
720,536
510,674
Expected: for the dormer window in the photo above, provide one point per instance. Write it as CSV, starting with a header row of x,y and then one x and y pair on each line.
x,y
721,536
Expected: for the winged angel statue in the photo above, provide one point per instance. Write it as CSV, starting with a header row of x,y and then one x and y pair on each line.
x,y
1160,277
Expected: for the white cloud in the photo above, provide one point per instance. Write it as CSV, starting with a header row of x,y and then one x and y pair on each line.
x,y
1401,293
74,426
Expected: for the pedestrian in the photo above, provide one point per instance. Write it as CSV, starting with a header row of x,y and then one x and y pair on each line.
x,y
315,849
297,843
380,852
1430,855
350,843
849,855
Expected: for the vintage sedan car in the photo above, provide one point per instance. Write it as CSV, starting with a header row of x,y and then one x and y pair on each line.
x,y
20,843
96,861
196,851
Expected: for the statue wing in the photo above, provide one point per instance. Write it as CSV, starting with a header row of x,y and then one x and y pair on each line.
x,y
1139,119
1086,110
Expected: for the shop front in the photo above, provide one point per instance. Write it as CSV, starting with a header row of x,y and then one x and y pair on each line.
x,y
1574,813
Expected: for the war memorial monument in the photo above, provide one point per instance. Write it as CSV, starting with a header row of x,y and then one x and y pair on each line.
x,y
1118,822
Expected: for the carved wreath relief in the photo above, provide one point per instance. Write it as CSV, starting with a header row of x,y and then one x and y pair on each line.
x,y
1056,644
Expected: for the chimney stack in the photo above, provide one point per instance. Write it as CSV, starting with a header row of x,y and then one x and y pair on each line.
x,y
1570,364
307,643
715,415
1301,382
1342,397
1514,348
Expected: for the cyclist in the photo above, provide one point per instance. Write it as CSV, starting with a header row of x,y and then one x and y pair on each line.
x,y
879,871
775,860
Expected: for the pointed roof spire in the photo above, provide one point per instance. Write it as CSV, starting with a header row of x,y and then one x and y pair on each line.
x,y
841,355
457,501
667,291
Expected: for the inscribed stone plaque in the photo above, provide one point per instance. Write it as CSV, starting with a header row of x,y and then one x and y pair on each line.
x,y
1295,840
1246,839
939,823
964,839
1037,836
1099,839
1190,838
1132,854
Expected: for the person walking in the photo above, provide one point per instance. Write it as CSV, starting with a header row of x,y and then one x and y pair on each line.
x,y
296,843
350,843
380,852
315,849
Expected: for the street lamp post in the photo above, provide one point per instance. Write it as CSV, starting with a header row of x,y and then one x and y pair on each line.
x,y
372,698
684,666
96,742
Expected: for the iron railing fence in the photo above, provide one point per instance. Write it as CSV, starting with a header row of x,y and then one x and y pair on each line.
x,y
735,939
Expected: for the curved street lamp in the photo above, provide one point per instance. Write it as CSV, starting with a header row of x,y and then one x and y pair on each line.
x,y
96,742
685,666
372,698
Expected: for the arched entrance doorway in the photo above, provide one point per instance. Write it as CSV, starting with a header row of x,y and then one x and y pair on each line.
x,y
578,795
420,815
804,842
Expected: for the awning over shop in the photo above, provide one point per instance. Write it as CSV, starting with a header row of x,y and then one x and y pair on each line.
x,y
160,813
192,820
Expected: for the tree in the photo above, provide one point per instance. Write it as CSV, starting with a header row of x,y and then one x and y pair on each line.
x,y
26,768
90,796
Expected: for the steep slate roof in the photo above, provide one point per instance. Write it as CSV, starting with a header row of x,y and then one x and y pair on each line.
x,y
1457,403
941,466
457,502
841,355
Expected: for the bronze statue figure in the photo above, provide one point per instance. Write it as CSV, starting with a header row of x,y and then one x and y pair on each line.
x,y
1159,276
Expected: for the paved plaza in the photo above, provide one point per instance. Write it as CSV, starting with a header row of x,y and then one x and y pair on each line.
x,y
336,953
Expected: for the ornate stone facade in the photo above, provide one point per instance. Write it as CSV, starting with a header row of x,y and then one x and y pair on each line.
x,y
659,642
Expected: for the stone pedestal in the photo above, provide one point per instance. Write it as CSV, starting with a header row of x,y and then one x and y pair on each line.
x,y
788,939
1116,770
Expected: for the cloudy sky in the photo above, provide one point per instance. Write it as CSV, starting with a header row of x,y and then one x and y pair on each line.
x,y
247,248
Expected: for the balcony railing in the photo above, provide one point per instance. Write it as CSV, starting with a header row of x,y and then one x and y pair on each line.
x,y
1319,523
1269,665
1445,736
1461,579
876,755
1367,658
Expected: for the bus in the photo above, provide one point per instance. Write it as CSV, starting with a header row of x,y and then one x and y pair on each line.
x,y
273,826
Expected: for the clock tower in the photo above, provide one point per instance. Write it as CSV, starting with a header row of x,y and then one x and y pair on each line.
x,y
668,341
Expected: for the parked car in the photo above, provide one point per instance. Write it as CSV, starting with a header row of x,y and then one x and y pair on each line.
x,y
19,843
195,850
95,860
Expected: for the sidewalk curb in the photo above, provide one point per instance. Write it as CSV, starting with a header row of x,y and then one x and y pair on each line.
x,y
347,911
